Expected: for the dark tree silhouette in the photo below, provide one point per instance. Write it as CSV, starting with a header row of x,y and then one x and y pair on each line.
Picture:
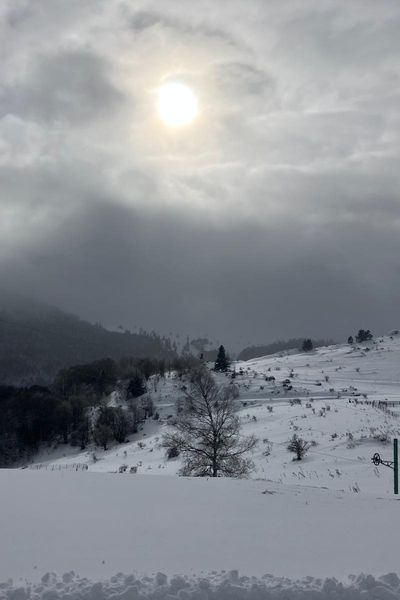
x,y
222,361
307,345
136,387
207,432
363,335
102,434
298,446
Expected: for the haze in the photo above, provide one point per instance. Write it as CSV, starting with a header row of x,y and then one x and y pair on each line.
x,y
274,214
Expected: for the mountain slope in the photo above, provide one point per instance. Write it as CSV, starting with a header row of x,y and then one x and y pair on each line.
x,y
37,340
329,515
344,399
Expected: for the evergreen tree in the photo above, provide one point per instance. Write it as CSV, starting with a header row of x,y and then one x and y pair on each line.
x,y
350,340
136,387
307,345
363,336
222,361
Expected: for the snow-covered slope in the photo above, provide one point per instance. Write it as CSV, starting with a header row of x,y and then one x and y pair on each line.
x,y
337,402
330,515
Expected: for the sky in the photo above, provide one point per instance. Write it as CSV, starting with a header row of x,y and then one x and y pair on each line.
x,y
273,214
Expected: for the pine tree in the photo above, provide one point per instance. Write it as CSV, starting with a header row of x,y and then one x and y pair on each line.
x,y
222,362
363,336
136,387
350,340
307,345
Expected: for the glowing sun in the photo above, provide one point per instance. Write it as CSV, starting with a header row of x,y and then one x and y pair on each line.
x,y
177,104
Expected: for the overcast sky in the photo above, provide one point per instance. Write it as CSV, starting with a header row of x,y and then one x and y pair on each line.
x,y
274,214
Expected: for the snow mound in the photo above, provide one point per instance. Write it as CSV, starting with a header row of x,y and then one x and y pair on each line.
x,y
215,586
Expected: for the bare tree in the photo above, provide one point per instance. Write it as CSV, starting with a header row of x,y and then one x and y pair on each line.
x,y
120,425
102,435
298,446
207,432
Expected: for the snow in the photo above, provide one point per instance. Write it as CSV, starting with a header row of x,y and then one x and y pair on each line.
x,y
329,516
98,524
343,423
223,586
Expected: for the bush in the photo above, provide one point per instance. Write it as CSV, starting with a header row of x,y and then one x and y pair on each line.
x,y
267,447
363,335
295,401
172,452
350,440
298,446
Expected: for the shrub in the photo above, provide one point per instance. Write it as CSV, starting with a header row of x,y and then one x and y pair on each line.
x,y
172,452
298,446
363,335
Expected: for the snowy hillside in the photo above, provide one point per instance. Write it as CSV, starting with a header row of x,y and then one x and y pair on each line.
x,y
329,515
333,397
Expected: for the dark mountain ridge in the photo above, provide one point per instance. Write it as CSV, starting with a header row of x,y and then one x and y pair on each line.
x,y
36,340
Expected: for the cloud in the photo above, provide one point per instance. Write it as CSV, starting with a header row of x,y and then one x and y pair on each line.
x,y
275,215
71,85
243,283
142,20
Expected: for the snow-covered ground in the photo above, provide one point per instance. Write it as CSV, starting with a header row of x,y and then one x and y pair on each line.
x,y
330,404
100,524
330,515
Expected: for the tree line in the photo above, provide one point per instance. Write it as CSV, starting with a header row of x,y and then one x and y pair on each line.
x,y
73,409
363,335
279,346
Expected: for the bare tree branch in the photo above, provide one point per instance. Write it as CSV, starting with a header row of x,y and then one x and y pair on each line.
x,y
207,431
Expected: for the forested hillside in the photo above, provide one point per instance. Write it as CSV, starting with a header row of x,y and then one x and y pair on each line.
x,y
37,340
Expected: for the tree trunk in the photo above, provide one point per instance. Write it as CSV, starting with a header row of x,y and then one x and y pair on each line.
x,y
214,463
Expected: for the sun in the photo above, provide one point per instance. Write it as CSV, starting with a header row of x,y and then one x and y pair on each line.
x,y
177,104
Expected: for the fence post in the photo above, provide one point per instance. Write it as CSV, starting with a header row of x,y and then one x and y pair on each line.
x,y
396,465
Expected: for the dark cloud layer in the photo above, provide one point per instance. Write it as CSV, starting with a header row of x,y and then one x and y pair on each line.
x,y
275,215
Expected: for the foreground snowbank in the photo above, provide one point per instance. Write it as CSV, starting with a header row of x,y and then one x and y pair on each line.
x,y
222,586
98,524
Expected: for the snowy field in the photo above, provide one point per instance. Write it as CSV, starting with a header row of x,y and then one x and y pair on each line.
x,y
329,516
98,525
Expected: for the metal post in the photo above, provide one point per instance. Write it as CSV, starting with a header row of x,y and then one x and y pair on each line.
x,y
396,465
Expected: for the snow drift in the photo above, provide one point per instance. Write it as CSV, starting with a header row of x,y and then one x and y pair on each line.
x,y
223,586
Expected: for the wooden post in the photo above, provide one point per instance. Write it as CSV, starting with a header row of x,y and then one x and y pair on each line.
x,y
396,465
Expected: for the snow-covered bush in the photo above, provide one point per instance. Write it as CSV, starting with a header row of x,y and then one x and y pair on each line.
x,y
298,446
267,447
